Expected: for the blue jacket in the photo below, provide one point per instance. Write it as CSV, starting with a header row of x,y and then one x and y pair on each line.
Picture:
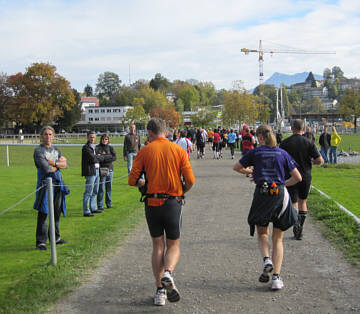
x,y
41,200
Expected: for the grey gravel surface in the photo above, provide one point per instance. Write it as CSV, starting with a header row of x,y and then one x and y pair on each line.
x,y
220,263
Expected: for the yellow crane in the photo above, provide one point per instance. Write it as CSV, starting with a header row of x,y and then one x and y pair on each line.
x,y
261,52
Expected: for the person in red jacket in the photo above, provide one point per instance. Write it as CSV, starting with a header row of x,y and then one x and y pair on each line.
x,y
247,141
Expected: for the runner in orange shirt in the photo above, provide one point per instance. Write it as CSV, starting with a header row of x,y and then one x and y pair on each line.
x,y
163,163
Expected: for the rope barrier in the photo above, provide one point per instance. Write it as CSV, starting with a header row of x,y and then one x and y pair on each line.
x,y
27,196
19,202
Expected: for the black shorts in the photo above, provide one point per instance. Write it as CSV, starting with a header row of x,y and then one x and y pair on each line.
x,y
300,190
277,209
166,217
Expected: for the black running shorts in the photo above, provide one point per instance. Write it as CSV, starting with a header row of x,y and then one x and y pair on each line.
x,y
164,218
300,190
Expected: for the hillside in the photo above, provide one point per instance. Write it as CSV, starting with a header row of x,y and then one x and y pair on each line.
x,y
278,78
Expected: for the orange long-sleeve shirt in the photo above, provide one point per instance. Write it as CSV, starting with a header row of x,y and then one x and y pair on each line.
x,y
163,162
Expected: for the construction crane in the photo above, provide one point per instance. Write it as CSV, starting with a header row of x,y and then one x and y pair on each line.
x,y
261,52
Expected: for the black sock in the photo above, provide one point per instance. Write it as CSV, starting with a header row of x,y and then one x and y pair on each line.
x,y
266,257
160,288
276,275
302,217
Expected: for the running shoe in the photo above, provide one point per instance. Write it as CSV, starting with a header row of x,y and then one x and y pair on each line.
x,y
277,283
298,230
168,283
160,297
267,269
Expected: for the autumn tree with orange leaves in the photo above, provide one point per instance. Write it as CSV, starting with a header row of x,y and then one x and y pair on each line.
x,y
39,96
169,115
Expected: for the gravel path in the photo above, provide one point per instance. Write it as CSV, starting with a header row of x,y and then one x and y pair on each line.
x,y
220,263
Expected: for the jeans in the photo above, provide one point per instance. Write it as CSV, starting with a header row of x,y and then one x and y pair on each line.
x,y
324,153
105,184
333,154
130,159
90,194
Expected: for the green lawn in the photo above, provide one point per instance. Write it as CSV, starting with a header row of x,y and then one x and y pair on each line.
x,y
28,283
341,183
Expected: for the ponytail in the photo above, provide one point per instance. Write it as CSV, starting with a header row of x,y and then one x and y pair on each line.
x,y
267,134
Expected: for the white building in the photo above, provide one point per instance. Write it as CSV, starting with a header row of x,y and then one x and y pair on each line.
x,y
89,102
104,118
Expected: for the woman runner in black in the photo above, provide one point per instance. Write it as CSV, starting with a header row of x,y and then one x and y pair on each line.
x,y
271,201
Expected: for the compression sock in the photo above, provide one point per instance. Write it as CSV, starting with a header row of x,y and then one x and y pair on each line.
x,y
302,217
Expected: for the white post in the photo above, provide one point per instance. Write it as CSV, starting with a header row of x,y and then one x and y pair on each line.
x,y
51,220
7,156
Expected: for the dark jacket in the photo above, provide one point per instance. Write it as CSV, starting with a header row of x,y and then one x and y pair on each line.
x,y
108,152
325,139
131,144
88,160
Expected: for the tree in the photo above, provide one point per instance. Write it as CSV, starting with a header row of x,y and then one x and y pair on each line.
x,y
190,97
337,72
40,96
136,115
152,98
5,95
159,83
207,93
72,116
350,105
107,86
169,115
125,96
88,90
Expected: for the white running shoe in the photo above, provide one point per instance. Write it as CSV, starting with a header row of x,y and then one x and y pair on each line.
x,y
267,269
277,283
168,283
160,297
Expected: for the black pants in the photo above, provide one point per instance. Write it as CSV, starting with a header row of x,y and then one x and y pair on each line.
x,y
42,231
232,147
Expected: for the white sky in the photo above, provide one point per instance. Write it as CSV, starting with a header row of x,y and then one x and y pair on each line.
x,y
199,39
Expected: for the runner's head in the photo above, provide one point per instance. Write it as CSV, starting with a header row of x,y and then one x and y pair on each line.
x,y
156,128
264,132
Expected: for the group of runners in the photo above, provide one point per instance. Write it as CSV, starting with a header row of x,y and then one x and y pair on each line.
x,y
216,139
282,176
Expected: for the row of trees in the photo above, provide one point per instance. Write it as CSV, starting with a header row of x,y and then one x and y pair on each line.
x,y
41,96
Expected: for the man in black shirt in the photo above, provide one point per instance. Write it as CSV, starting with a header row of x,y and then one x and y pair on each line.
x,y
305,154
324,142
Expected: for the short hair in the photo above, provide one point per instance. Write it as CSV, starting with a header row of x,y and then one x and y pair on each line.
x,y
156,125
90,132
105,135
183,133
297,124
47,127
267,134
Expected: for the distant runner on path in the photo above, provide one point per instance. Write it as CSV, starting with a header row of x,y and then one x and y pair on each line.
x,y
163,163
271,202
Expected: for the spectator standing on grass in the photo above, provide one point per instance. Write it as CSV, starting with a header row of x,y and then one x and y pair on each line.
x,y
105,184
309,134
271,202
48,161
324,142
164,163
132,145
305,154
90,164
334,142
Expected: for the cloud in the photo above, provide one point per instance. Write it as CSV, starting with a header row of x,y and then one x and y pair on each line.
x,y
179,39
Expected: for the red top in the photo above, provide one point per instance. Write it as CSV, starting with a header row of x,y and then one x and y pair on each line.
x,y
216,137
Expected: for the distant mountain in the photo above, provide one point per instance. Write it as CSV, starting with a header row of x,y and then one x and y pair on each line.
x,y
279,78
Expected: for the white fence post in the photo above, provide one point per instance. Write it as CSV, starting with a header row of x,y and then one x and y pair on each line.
x,y
7,156
51,220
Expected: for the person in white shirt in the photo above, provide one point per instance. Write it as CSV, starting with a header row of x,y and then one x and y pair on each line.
x,y
184,143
